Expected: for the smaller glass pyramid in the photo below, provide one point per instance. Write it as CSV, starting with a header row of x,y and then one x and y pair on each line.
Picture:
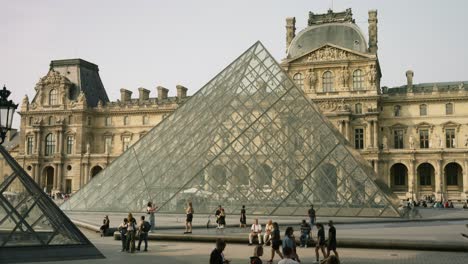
x,y
28,218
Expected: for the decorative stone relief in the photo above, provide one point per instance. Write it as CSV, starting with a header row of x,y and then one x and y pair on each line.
x,y
344,77
372,76
330,53
328,106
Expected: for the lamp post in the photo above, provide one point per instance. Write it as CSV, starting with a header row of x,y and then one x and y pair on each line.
x,y
7,110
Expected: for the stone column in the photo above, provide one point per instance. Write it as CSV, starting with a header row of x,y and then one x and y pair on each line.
x,y
438,179
411,179
33,173
376,168
36,142
346,129
415,179
59,177
376,139
368,135
54,186
465,178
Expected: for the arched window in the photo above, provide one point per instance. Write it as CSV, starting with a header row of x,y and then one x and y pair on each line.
x,y
327,80
423,110
358,108
449,109
53,97
298,80
397,110
50,144
358,80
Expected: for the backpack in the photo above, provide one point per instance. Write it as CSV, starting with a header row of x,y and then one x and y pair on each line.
x,y
146,227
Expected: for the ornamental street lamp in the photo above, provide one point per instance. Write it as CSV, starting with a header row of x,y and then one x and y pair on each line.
x,y
7,110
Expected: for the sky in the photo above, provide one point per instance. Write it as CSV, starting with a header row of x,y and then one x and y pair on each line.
x,y
150,43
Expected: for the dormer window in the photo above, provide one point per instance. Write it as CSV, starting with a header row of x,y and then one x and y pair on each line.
x,y
327,81
53,97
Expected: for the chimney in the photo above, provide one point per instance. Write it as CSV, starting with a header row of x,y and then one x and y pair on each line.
x,y
181,91
162,92
409,80
125,95
373,31
143,94
290,30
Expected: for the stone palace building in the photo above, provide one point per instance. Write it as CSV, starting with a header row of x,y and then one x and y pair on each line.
x,y
415,136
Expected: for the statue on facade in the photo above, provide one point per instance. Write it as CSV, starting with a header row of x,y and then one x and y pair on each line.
x,y
411,142
88,148
344,76
466,140
310,80
384,142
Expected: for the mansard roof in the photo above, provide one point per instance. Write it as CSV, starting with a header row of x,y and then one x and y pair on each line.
x,y
428,87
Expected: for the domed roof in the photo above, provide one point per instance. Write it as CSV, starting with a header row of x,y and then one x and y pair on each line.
x,y
346,35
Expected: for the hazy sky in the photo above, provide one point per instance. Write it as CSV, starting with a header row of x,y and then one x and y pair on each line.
x,y
144,43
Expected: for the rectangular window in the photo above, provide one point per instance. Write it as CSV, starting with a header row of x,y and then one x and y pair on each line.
x,y
29,145
449,109
145,120
359,138
126,143
424,138
398,139
450,138
358,108
108,121
70,145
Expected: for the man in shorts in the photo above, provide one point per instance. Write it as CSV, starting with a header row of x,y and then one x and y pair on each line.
x,y
331,239
320,245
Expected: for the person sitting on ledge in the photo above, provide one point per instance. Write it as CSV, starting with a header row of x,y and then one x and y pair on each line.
x,y
255,231
105,226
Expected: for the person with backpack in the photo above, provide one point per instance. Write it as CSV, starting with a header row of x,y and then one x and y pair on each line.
x,y
143,228
131,232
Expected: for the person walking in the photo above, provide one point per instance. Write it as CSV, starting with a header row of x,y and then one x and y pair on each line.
x,y
217,213
143,228
131,232
331,239
151,209
222,219
288,257
123,233
188,222
243,218
320,242
290,242
217,256
275,242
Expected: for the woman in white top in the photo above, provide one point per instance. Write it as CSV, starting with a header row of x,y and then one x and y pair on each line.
x,y
268,230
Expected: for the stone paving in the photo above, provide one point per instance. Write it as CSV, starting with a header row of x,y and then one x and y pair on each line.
x,y
180,252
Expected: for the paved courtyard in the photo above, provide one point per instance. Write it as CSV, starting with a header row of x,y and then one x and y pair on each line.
x,y
180,252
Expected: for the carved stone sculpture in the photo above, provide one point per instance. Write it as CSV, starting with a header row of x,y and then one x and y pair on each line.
x,y
343,77
411,142
384,142
372,74
310,80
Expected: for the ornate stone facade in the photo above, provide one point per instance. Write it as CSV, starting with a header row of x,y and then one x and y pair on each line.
x,y
415,136
70,130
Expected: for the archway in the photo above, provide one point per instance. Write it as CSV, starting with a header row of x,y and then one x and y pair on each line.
x,y
241,175
217,176
263,175
426,176
399,177
95,170
453,176
49,178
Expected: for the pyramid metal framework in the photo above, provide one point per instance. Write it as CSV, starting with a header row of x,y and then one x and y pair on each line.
x,y
32,226
248,137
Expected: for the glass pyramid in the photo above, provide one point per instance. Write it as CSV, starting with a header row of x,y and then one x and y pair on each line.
x,y
248,137
31,223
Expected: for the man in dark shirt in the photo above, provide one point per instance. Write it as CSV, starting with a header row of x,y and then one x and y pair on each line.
x,y
320,242
217,256
217,214
331,239
312,217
